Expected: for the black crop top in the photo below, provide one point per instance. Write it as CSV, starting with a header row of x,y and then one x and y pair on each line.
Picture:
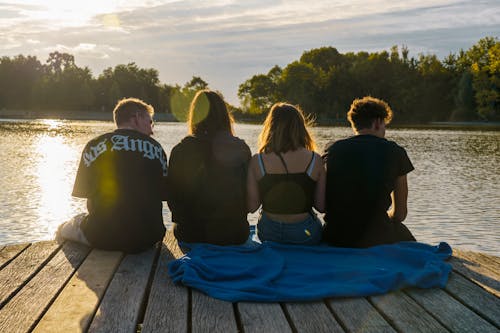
x,y
287,193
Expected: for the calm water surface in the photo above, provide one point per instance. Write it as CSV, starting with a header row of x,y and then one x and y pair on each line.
x,y
454,190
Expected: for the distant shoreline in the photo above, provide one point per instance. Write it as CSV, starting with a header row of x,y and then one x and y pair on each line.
x,y
168,117
71,115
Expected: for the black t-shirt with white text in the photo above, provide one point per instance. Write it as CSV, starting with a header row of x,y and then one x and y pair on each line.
x,y
123,175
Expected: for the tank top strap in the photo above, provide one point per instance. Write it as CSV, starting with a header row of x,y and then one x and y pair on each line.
x,y
283,161
261,164
310,166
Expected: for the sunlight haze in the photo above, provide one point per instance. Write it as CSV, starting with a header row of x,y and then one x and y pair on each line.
x,y
226,42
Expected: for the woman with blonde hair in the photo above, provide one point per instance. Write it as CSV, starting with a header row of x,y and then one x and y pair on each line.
x,y
287,178
207,177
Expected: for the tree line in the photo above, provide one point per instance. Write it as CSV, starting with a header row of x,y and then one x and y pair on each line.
x,y
59,84
464,86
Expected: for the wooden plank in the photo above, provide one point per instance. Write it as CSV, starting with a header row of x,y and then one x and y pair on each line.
x,y
121,305
479,274
358,315
22,312
490,261
75,306
404,314
9,252
23,267
312,317
452,314
211,315
488,265
475,297
262,317
168,305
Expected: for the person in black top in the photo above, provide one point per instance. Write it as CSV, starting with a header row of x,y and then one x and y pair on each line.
x,y
207,177
287,178
366,186
123,175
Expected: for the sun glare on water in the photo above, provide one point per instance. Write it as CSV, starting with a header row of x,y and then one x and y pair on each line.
x,y
54,169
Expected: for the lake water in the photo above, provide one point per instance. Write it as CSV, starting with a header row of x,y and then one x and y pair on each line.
x,y
454,191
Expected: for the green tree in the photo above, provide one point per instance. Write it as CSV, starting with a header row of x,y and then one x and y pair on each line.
x,y
484,60
18,77
299,85
128,81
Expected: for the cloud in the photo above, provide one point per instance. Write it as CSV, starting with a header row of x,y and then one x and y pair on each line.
x,y
227,41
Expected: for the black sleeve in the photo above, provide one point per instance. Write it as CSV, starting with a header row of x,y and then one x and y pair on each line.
x,y
82,186
405,165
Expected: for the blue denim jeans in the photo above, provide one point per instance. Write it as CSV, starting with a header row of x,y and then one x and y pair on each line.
x,y
307,232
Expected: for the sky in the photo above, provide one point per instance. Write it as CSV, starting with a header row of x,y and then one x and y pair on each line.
x,y
226,42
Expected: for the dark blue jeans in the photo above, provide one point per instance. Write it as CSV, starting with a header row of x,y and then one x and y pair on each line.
x,y
307,232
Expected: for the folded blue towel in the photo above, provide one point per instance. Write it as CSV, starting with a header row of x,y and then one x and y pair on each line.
x,y
272,272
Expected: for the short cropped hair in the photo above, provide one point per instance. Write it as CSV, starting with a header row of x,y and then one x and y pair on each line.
x,y
208,115
285,129
365,110
127,108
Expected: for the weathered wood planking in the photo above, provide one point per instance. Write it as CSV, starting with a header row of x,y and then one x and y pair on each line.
x,y
53,289
22,312
211,315
486,265
7,253
262,317
479,274
358,315
404,314
120,308
75,306
451,313
489,261
475,297
168,305
23,267
312,317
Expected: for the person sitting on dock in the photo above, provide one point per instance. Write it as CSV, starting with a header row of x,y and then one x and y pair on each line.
x,y
366,174
287,178
207,177
123,176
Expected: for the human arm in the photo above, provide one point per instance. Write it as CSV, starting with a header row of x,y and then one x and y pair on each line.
x,y
84,179
253,198
319,194
399,197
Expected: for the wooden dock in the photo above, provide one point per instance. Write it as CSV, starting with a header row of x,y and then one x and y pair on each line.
x,y
51,287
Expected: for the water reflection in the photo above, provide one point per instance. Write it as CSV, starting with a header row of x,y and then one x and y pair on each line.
x,y
53,166
454,190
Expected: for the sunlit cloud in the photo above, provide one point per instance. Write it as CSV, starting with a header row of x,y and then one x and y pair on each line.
x,y
227,41
85,49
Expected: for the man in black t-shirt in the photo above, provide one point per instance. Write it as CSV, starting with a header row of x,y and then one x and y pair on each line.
x,y
123,175
367,190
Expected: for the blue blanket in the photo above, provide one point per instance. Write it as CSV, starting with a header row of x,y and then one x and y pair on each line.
x,y
272,272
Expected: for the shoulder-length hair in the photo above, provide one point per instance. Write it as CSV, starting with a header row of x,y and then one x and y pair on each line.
x,y
208,115
285,129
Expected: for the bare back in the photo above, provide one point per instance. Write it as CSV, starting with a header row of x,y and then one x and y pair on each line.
x,y
296,161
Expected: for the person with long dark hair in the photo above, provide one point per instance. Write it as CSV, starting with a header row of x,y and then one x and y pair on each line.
x,y
287,178
207,177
